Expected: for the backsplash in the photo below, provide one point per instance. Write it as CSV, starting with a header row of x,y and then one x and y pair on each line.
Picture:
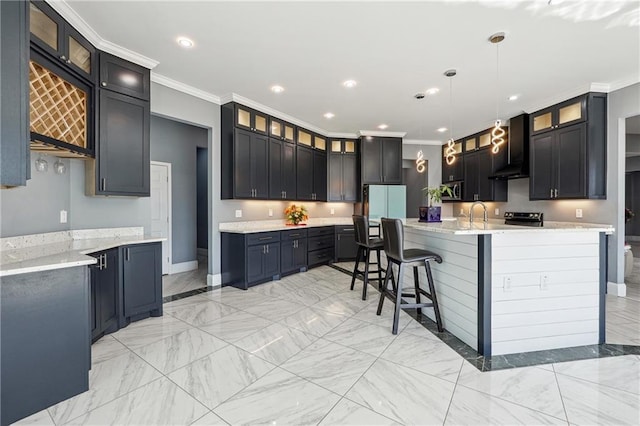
x,y
259,210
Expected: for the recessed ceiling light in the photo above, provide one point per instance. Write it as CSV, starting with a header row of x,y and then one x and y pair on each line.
x,y
350,83
277,89
185,42
513,97
432,91
329,115
383,126
442,129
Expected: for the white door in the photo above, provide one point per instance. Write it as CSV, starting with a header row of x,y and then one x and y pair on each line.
x,y
161,210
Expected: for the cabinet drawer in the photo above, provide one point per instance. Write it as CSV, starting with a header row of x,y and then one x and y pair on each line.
x,y
294,234
263,238
317,243
346,229
320,256
324,230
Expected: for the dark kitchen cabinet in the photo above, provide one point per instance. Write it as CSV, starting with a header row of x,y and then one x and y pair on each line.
x,y
293,251
311,174
279,129
14,102
263,262
478,166
282,170
250,119
141,281
51,34
249,259
343,171
105,280
250,165
319,176
568,156
122,166
121,76
453,172
381,160
320,245
345,243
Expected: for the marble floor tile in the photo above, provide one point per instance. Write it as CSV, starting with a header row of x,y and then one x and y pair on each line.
x,y
307,294
149,330
403,394
107,381
385,318
530,387
340,303
106,348
217,377
426,355
588,403
158,403
41,418
620,372
349,413
276,343
314,321
209,419
235,326
236,298
185,281
278,398
363,336
201,313
329,365
469,407
414,327
178,350
275,289
274,309
196,299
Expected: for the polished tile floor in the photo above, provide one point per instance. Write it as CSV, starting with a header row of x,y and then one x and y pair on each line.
x,y
306,350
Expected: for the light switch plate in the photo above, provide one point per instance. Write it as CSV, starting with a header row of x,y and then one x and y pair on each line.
x,y
579,213
63,216
333,211
270,212
238,213
497,212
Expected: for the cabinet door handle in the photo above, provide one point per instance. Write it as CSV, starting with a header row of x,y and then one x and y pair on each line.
x,y
339,237
294,235
285,194
264,249
126,254
105,260
267,249
551,193
264,238
555,193
103,184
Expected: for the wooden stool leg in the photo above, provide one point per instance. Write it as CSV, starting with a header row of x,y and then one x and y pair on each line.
x,y
396,313
384,290
432,290
367,255
379,270
416,283
355,269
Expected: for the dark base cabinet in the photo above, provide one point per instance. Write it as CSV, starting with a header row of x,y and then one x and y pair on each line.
x,y
45,338
321,246
249,259
104,293
141,282
345,243
293,251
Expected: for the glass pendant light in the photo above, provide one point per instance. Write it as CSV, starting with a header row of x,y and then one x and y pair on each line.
x,y
450,151
497,133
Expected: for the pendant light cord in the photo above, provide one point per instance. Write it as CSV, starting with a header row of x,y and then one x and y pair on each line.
x,y
451,107
497,80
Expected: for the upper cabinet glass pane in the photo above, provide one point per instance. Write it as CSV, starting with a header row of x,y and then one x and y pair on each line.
x,y
43,27
458,147
336,146
541,122
261,123
304,138
570,113
485,140
288,133
349,146
470,144
320,143
276,128
244,118
79,56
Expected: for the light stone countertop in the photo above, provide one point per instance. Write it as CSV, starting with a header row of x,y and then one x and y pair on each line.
x,y
65,249
250,227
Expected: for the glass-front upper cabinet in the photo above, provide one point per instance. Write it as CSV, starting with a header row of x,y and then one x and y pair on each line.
x,y
282,130
304,137
560,115
470,144
319,142
484,140
252,120
51,33
343,146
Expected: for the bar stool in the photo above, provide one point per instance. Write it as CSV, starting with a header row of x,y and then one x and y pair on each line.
x,y
366,245
393,233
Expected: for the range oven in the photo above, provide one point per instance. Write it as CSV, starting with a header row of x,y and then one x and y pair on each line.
x,y
456,191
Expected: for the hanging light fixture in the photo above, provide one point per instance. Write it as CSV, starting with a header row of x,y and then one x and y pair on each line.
x,y
450,150
497,133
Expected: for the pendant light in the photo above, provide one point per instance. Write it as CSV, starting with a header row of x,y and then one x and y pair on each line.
x,y
497,133
450,151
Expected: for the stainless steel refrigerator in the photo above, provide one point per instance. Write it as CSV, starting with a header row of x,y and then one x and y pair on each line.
x,y
385,201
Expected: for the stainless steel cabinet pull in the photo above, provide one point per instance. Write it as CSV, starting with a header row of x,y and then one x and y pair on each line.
x,y
294,235
551,193
265,238
285,194
267,249
347,229
555,193
126,254
105,260
264,249
103,184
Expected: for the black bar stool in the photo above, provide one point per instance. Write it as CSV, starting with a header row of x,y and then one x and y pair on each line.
x,y
366,245
393,233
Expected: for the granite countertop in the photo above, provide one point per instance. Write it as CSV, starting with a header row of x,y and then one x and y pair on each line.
x,y
57,250
250,227
496,226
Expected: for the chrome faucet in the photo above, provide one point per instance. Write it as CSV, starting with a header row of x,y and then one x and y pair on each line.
x,y
485,218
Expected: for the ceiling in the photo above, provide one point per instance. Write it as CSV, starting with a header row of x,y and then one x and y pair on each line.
x,y
392,49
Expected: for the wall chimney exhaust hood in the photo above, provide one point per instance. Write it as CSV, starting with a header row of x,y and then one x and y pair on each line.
x,y
518,166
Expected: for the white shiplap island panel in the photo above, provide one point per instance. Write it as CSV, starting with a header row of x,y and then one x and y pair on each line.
x,y
545,291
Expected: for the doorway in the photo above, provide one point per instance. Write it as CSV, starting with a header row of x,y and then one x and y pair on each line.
x,y
161,209
202,204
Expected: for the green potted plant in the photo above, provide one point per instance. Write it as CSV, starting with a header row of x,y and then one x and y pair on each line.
x,y
433,213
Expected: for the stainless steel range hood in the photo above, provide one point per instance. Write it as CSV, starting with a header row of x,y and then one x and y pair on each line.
x,y
518,166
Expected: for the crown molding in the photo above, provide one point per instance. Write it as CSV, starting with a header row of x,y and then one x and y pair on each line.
x,y
622,83
341,135
185,88
76,21
422,142
381,133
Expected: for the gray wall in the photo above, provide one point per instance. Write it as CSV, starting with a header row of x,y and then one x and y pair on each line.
x,y
632,164
202,188
176,143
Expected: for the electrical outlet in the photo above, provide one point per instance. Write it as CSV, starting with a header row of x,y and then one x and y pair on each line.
x,y
579,213
63,216
333,211
497,212
238,213
270,212
461,211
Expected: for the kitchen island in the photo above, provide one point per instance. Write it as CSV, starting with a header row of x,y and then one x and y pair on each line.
x,y
506,289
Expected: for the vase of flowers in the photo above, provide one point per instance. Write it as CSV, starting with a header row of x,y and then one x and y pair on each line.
x,y
433,213
296,214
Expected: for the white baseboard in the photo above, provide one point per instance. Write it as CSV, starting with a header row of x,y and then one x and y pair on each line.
x,y
177,268
214,281
617,289
203,252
